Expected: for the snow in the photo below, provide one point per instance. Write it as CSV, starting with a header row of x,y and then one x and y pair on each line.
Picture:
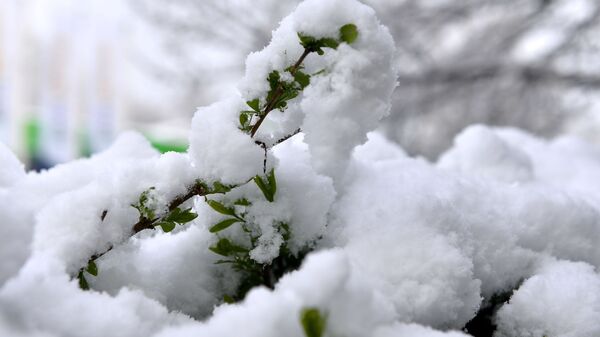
x,y
159,265
43,298
402,246
478,150
219,151
562,299
11,170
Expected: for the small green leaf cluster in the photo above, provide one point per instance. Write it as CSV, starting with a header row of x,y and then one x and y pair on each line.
x,y
175,217
236,254
347,33
313,44
146,210
267,185
91,269
280,92
313,322
246,116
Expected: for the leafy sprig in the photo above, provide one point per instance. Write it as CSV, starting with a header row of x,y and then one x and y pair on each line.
x,y
237,255
282,91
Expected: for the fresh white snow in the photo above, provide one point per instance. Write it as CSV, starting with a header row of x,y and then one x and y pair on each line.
x,y
404,247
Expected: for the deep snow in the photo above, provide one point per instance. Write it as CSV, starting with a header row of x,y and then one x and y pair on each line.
x,y
407,247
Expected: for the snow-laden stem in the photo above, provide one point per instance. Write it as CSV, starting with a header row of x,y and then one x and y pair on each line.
x,y
278,92
198,189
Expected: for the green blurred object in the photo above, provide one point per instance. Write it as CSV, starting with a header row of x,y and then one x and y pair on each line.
x,y
32,137
33,129
165,146
85,144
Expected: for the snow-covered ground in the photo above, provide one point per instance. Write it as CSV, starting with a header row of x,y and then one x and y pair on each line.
x,y
404,247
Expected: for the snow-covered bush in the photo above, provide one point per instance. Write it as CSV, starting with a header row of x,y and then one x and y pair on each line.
x,y
287,217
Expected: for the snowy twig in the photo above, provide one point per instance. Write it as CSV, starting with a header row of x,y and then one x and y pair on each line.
x,y
145,223
278,92
281,92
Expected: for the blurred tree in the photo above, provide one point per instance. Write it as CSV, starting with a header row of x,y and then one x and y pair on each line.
x,y
510,62
199,46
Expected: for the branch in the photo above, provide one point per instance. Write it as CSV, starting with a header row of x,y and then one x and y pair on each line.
x,y
145,223
538,75
200,189
278,92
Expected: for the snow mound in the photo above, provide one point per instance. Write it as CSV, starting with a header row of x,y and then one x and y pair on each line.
x,y
562,299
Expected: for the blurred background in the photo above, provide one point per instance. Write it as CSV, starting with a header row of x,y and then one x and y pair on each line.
x,y
75,73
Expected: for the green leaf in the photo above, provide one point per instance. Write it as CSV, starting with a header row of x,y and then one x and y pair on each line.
x,y
329,42
281,105
92,268
348,33
313,323
273,79
319,72
180,216
284,229
302,78
219,207
242,202
172,215
237,249
224,261
272,182
219,187
254,104
264,188
217,250
187,217
82,281
166,226
244,119
225,247
222,225
306,40
228,299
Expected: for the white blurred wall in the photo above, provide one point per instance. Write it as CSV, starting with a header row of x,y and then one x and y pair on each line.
x,y
67,79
